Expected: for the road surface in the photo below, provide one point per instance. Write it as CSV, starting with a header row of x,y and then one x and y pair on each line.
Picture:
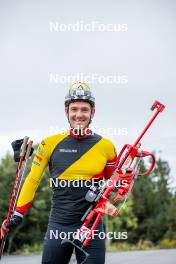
x,y
132,257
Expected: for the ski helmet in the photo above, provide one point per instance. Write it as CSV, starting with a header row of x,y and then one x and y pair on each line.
x,y
79,92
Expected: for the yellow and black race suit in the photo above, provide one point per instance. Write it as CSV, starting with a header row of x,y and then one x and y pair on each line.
x,y
69,158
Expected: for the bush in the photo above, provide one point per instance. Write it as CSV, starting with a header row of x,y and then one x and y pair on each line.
x,y
167,243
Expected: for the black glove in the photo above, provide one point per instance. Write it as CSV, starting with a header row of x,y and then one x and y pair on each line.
x,y
16,145
14,222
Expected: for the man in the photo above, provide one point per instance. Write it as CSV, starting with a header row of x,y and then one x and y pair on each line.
x,y
78,154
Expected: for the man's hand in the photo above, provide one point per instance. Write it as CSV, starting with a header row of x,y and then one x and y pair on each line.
x,y
124,181
16,145
15,221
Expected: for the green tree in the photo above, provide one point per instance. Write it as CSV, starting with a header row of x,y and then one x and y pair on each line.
x,y
152,200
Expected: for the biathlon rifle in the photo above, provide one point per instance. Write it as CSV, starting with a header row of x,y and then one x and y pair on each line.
x,y
100,197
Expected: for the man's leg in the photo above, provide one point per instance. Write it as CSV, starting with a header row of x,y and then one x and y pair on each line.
x,y
97,255
54,252
95,248
59,254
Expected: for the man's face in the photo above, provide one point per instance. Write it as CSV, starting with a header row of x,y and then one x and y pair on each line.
x,y
79,114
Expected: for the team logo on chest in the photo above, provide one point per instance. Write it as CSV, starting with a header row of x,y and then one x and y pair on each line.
x,y
68,150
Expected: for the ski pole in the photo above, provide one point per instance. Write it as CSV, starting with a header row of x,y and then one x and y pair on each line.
x,y
20,172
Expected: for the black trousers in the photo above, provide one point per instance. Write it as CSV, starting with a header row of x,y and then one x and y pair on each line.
x,y
55,253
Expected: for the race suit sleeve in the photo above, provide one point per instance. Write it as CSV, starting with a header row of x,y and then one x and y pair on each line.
x,y
111,160
33,179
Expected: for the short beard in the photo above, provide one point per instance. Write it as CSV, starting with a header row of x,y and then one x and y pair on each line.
x,y
90,121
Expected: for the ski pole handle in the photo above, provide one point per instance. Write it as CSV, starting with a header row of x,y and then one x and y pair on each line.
x,y
28,151
24,145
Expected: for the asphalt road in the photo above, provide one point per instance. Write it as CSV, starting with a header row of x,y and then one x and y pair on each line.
x,y
133,257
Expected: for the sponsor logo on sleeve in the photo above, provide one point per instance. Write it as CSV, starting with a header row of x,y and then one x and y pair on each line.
x,y
36,163
41,151
38,158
